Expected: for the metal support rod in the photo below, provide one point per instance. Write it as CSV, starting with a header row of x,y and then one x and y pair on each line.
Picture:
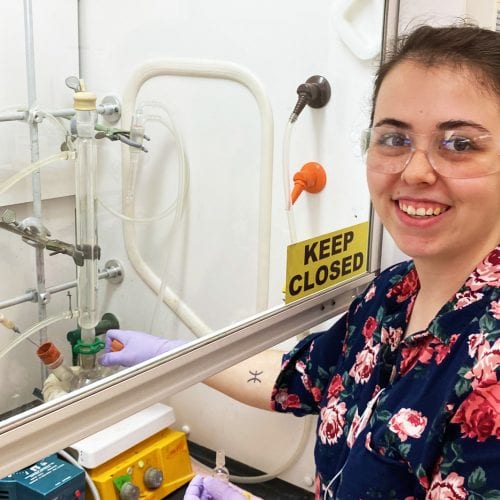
x,y
112,270
389,34
102,109
35,155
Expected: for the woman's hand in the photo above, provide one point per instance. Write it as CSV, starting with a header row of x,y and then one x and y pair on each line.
x,y
134,347
210,488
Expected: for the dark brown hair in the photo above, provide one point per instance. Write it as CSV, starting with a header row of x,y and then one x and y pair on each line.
x,y
463,46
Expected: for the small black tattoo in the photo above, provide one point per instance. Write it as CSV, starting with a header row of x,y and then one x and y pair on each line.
x,y
255,377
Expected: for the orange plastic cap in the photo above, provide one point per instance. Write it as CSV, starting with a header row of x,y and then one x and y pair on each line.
x,y
116,345
48,353
311,178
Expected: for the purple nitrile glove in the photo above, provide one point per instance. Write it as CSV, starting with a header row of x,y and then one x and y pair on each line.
x,y
137,347
194,490
211,488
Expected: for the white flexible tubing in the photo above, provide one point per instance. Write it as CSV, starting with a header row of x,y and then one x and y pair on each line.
x,y
182,185
178,205
219,70
37,327
292,229
18,176
179,308
286,182
59,125
88,479
172,207
182,311
306,430
308,421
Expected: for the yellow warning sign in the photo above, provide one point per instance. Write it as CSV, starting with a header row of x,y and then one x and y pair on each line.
x,y
318,263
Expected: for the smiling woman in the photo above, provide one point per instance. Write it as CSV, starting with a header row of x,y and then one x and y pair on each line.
x,y
406,383
434,164
405,366
430,213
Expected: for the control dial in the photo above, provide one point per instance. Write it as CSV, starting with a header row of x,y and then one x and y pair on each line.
x,y
153,478
129,491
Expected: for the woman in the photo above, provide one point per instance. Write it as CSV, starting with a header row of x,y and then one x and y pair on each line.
x,y
406,383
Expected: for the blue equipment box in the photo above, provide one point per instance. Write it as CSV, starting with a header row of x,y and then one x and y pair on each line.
x,y
49,479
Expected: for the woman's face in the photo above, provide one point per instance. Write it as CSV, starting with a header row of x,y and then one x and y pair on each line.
x,y
430,216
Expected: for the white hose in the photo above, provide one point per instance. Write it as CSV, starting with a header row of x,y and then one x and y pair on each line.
x,y
306,430
183,177
59,124
286,182
206,69
39,326
183,312
88,479
11,181
291,461
292,229
182,185
272,475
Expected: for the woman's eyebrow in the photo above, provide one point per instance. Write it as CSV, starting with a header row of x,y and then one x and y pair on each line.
x,y
452,124
393,122
446,125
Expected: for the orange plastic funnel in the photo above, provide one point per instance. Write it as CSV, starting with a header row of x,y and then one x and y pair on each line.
x,y
311,178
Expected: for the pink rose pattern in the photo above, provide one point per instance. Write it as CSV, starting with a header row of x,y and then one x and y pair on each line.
x,y
472,405
429,349
365,363
479,415
407,423
486,274
487,361
495,308
405,288
466,298
450,487
332,421
392,336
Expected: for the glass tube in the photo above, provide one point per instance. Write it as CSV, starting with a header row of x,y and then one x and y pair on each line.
x,y
86,237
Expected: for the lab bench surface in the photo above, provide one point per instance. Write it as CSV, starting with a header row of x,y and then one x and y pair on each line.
x,y
275,489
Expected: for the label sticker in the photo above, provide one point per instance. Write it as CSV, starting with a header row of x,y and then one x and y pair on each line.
x,y
318,263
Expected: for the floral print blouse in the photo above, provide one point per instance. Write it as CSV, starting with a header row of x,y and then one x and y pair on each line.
x,y
404,419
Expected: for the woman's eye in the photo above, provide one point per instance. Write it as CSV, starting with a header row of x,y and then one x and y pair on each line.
x,y
394,140
458,144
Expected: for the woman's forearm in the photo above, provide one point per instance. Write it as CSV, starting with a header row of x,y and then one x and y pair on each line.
x,y
250,381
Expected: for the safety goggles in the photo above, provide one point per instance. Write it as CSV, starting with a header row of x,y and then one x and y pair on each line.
x,y
461,153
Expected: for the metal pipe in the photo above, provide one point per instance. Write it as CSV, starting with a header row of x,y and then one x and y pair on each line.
x,y
11,117
112,270
389,33
102,109
36,180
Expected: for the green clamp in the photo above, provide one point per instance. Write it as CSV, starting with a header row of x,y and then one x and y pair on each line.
x,y
93,348
108,322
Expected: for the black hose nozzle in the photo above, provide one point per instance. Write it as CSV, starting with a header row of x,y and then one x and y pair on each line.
x,y
315,92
